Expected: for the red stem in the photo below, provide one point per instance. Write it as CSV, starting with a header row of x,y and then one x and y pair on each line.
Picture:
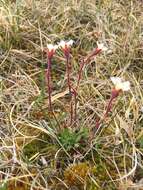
x,y
95,52
109,106
114,95
75,109
108,109
69,85
48,75
68,73
80,73
75,105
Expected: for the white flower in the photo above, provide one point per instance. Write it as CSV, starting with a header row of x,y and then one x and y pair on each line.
x,y
120,84
101,46
63,44
51,47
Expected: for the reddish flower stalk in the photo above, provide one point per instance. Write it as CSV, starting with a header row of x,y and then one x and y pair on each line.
x,y
75,104
120,86
84,62
72,91
48,75
100,47
68,72
50,50
66,49
69,85
114,94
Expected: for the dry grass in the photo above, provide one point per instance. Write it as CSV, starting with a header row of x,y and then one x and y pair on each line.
x,y
36,153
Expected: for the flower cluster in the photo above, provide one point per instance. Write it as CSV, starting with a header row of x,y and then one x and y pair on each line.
x,y
64,45
101,47
51,50
119,86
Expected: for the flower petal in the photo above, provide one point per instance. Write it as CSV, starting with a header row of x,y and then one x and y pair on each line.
x,y
70,42
119,84
116,80
50,47
101,46
126,86
62,44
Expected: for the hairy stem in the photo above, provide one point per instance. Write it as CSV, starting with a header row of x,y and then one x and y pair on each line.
x,y
114,95
68,73
48,75
86,61
109,107
75,104
80,73
69,86
75,109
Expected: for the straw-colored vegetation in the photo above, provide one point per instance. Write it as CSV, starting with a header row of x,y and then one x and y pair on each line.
x,y
39,149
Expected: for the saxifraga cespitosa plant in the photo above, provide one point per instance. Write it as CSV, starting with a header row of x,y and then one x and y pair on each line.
x,y
65,46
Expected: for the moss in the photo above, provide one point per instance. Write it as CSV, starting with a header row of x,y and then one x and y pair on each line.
x,y
17,185
76,174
